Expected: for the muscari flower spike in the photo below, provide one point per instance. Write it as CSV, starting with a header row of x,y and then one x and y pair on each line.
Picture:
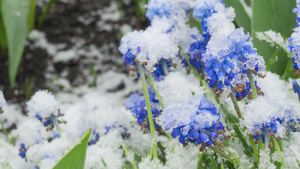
x,y
197,48
296,88
95,136
45,108
294,41
159,73
229,68
290,122
131,62
138,108
22,150
156,8
197,121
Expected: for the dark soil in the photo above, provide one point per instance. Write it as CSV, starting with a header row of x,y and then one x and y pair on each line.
x,y
61,25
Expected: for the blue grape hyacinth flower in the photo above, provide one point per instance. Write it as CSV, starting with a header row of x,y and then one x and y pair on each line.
x,y
94,138
49,122
198,121
296,88
138,108
22,150
294,41
197,48
230,65
277,127
44,106
159,72
155,8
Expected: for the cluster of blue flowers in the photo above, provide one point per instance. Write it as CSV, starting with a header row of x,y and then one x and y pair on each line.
x,y
195,52
48,122
94,138
131,62
230,66
198,47
295,43
158,9
290,122
159,72
269,128
296,88
22,150
138,108
203,12
200,123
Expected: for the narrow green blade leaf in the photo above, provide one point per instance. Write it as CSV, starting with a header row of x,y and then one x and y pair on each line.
x,y
32,15
213,162
75,158
276,15
272,60
242,18
46,9
15,17
3,42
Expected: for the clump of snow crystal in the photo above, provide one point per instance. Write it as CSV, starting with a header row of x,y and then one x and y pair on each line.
x,y
179,156
107,149
30,131
273,105
178,88
93,112
43,104
273,38
2,101
49,153
152,44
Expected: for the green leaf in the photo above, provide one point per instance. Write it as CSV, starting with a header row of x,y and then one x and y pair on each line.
x,y
15,17
46,9
195,23
3,42
276,15
32,15
199,160
75,158
213,162
272,60
242,19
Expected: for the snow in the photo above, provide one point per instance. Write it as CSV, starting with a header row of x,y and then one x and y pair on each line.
x,y
100,107
273,38
43,104
2,99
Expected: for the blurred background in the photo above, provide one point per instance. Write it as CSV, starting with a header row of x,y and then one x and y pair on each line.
x,y
68,44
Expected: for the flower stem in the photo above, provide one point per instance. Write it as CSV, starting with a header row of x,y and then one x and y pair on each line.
x,y
200,158
55,121
126,153
221,153
287,70
253,147
150,117
277,148
195,72
236,105
156,92
165,68
253,87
